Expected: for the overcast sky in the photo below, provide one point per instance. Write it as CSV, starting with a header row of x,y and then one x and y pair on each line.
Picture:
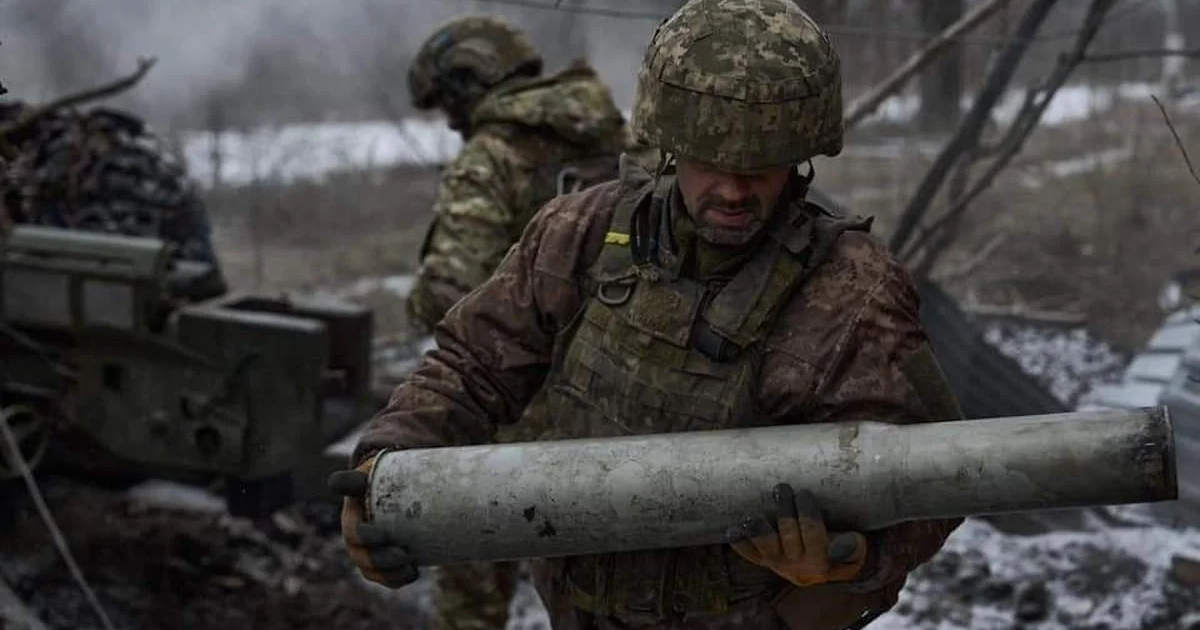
x,y
50,46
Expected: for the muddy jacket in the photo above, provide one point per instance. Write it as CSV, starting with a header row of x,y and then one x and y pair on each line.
x,y
525,134
759,339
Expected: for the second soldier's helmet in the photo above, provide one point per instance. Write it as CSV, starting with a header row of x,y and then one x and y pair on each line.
x,y
741,85
483,50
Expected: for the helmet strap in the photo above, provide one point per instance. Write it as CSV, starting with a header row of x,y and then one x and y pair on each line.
x,y
800,182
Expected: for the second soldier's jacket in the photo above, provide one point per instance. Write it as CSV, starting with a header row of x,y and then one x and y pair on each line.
x,y
529,138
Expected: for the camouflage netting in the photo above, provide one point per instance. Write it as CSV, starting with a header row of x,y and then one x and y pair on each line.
x,y
103,171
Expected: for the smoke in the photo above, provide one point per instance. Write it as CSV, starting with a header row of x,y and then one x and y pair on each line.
x,y
266,61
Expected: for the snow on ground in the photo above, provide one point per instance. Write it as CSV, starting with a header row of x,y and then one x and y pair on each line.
x,y
983,579
313,150
1117,579
1071,103
1069,361
1087,163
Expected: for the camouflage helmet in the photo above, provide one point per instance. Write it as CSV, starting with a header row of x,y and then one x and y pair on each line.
x,y
740,84
488,48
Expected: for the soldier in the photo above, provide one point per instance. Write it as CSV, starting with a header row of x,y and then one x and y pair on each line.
x,y
528,138
706,294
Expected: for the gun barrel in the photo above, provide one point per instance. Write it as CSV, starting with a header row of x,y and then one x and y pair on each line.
x,y
574,497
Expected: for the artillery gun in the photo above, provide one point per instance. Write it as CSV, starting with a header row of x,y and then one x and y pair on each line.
x,y
108,367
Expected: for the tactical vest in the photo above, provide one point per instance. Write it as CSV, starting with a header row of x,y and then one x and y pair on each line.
x,y
653,352
558,169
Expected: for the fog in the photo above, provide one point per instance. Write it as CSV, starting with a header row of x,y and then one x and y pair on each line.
x,y
276,60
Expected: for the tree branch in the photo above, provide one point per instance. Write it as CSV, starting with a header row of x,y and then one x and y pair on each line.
x,y
958,187
969,131
974,262
103,91
1178,142
1027,119
864,105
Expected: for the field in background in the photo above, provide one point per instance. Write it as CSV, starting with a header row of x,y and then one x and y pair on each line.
x,y
1093,216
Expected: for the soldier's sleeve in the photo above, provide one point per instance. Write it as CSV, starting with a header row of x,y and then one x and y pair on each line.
x,y
494,346
884,370
472,229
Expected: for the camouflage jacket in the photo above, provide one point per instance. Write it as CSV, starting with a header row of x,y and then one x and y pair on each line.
x,y
836,352
505,172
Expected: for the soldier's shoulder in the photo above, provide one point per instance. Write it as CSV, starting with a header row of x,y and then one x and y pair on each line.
x,y
860,281
486,160
488,146
860,270
864,257
583,209
576,222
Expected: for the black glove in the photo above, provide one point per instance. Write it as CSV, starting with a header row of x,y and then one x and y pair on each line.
x,y
379,558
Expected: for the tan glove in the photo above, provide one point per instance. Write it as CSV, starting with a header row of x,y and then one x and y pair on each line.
x,y
801,551
380,559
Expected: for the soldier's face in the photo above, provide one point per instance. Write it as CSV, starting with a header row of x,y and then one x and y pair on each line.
x,y
729,208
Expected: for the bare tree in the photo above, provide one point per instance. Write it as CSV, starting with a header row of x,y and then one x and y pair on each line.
x,y
563,33
864,105
942,84
966,147
1172,67
966,140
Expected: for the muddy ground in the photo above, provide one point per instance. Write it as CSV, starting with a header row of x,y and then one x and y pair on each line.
x,y
152,567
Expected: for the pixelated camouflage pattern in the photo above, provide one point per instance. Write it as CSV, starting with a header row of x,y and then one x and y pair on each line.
x,y
477,595
474,595
836,353
524,133
488,46
740,84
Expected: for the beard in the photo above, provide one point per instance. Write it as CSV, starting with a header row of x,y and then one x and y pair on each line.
x,y
711,223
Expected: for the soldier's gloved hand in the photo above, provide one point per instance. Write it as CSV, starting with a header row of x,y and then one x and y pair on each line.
x,y
379,558
801,551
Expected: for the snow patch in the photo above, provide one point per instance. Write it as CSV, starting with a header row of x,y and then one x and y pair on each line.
x,y
312,151
179,497
1067,361
983,580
